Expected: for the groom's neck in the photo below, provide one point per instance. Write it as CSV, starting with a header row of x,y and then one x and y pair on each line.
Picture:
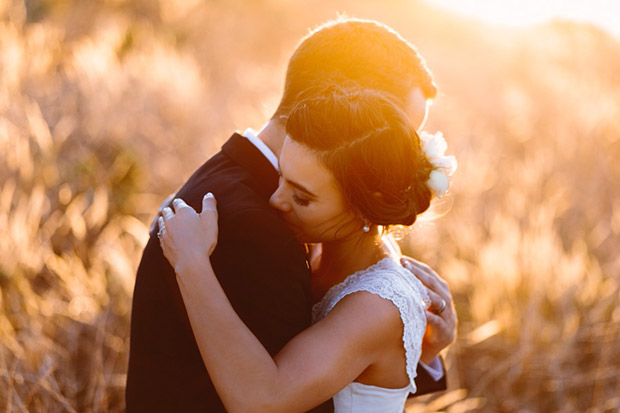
x,y
273,134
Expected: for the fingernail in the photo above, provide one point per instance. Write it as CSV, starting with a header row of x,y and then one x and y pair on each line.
x,y
208,195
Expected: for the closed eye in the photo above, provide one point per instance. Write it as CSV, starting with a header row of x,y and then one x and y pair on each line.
x,y
301,201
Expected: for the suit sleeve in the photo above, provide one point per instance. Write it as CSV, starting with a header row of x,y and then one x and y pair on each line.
x,y
425,384
264,272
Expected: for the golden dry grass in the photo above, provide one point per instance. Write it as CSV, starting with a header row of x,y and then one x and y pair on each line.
x,y
106,107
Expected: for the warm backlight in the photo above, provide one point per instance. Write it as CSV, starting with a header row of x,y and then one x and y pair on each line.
x,y
603,13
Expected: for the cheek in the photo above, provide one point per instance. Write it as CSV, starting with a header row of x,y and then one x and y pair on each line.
x,y
308,216
327,224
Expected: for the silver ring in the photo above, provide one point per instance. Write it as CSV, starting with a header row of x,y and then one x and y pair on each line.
x,y
161,232
442,307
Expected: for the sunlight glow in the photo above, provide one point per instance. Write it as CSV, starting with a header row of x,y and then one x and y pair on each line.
x,y
603,13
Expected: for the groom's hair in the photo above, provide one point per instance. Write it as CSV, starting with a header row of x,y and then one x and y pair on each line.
x,y
364,51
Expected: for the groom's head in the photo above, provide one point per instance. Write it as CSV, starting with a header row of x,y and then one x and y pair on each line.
x,y
366,52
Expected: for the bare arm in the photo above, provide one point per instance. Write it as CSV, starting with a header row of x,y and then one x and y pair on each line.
x,y
311,368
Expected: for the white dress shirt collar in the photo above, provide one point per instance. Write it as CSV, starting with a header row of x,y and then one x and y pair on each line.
x,y
252,136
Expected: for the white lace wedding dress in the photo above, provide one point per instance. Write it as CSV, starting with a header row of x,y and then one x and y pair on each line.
x,y
389,280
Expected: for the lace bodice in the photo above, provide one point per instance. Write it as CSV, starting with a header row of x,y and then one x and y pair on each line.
x,y
389,280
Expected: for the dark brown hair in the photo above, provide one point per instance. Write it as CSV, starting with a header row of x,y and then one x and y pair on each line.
x,y
367,142
364,51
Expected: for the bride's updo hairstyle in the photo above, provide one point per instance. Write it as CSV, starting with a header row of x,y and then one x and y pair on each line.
x,y
367,142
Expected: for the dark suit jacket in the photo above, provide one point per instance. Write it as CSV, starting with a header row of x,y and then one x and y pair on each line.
x,y
260,265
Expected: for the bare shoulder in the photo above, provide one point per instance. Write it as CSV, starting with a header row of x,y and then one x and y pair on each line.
x,y
377,328
375,318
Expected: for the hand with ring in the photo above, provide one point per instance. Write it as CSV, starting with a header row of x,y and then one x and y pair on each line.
x,y
441,316
160,210
186,236
441,308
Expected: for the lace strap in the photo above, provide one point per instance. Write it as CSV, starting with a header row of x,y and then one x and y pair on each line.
x,y
390,281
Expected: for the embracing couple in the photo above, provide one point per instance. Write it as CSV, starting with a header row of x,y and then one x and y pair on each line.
x,y
269,282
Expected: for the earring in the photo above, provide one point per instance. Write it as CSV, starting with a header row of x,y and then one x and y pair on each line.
x,y
366,227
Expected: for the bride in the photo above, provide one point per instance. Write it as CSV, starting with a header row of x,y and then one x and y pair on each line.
x,y
351,167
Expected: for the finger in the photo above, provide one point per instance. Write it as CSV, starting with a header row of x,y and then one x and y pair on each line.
x,y
435,321
208,202
409,262
429,279
436,301
165,203
168,199
416,266
178,203
162,238
422,273
167,213
443,329
161,233
162,226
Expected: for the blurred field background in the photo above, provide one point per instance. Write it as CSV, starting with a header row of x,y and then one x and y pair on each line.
x,y
107,107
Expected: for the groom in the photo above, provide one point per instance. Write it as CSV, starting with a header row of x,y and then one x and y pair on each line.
x,y
259,264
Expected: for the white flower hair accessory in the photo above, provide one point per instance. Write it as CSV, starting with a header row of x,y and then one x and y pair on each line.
x,y
434,147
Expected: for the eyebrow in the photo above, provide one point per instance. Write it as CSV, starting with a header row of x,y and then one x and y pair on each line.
x,y
301,188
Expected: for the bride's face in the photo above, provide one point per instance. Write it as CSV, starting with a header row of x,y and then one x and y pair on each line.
x,y
309,198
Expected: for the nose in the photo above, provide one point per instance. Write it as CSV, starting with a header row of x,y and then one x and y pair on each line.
x,y
277,200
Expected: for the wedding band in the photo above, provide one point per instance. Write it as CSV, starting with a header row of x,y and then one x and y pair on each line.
x,y
162,230
442,307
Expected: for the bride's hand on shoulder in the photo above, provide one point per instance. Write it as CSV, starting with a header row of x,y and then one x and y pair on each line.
x,y
186,236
